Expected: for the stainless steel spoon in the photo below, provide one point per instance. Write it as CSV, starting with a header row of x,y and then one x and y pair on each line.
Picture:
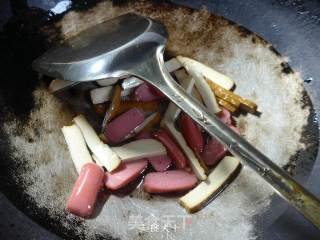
x,y
134,45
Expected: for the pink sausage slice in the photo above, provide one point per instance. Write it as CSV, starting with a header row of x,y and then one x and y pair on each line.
x,y
85,190
125,174
174,151
144,135
225,116
143,93
191,133
124,124
156,91
169,181
213,152
160,163
235,129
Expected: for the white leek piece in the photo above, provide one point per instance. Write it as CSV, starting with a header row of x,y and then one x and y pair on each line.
x,y
194,199
193,161
57,85
139,149
202,86
107,82
77,146
103,152
95,158
101,95
209,73
187,82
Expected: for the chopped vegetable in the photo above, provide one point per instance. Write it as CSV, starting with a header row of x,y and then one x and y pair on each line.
x,y
126,173
169,181
232,98
160,163
139,149
203,87
195,93
101,95
58,85
193,160
77,146
172,65
113,108
85,190
186,82
178,157
191,133
207,72
123,124
197,197
102,151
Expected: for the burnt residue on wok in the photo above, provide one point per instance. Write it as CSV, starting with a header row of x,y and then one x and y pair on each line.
x,y
17,101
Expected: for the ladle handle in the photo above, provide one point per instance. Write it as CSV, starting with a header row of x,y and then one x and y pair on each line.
x,y
154,72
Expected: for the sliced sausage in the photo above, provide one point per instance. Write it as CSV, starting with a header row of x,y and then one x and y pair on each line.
x,y
225,116
213,152
126,173
143,93
85,190
191,133
144,135
121,126
169,181
156,91
174,151
160,163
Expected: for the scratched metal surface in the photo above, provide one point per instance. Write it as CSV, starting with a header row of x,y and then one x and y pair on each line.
x,y
293,27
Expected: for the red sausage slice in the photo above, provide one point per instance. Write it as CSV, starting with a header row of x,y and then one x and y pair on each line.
x,y
156,91
225,116
143,93
124,124
126,173
191,133
85,190
174,151
160,163
144,135
213,152
169,181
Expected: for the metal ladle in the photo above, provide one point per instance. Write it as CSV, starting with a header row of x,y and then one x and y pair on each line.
x,y
134,45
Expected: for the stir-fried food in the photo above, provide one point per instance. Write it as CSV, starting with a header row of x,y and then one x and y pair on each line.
x,y
143,133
